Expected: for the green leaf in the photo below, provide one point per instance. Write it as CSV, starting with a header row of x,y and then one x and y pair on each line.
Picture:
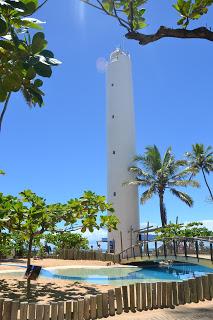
x,y
181,21
12,82
31,73
3,26
7,45
108,5
38,43
47,53
43,70
38,83
32,23
3,93
30,6
53,61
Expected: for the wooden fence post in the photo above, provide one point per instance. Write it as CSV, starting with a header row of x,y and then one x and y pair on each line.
x,y
99,306
154,295
54,311
186,291
199,288
68,310
39,311
7,309
132,297
1,307
174,293
93,307
46,312
159,294
125,298
75,310
72,254
86,308
164,294
81,309
105,304
14,310
181,298
210,278
60,310
32,308
143,295
118,298
149,295
111,295
138,296
23,310
193,290
169,302
206,291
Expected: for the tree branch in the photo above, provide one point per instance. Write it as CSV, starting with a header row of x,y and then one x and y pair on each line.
x,y
101,8
164,32
4,109
119,19
39,7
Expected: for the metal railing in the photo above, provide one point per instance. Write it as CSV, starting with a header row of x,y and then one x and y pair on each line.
x,y
199,248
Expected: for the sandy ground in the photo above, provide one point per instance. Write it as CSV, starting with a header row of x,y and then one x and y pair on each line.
x,y
45,290
50,263
193,311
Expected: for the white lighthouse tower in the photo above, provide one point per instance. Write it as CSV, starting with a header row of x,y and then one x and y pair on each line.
x,y
121,149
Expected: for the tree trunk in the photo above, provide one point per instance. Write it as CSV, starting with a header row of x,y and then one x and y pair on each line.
x,y
162,210
204,176
29,263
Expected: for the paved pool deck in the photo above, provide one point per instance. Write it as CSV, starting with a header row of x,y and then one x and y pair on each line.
x,y
193,311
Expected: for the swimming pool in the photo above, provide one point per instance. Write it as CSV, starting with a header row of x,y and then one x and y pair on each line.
x,y
121,276
124,275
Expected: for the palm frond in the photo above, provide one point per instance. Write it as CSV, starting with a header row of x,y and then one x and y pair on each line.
x,y
152,159
137,182
181,163
200,158
167,156
184,183
182,196
139,172
184,173
146,195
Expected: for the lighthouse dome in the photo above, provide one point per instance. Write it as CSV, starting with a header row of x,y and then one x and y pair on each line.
x,y
115,54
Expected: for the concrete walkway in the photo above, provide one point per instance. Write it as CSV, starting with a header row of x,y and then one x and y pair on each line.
x,y
193,311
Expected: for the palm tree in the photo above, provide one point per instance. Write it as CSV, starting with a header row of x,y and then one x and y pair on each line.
x,y
160,174
201,159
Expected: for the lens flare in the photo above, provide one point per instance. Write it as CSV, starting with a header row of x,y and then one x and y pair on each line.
x,y
101,65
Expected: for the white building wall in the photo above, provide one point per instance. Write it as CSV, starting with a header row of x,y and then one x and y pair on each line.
x,y
121,148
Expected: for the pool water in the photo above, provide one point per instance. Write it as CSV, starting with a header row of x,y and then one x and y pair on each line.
x,y
123,276
118,276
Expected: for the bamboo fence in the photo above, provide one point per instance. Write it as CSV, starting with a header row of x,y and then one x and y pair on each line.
x,y
132,298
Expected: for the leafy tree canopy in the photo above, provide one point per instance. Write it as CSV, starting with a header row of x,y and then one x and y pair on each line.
x,y
132,16
24,57
66,240
190,230
31,217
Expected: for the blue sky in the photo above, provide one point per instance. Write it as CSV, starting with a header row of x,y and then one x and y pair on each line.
x,y
60,150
